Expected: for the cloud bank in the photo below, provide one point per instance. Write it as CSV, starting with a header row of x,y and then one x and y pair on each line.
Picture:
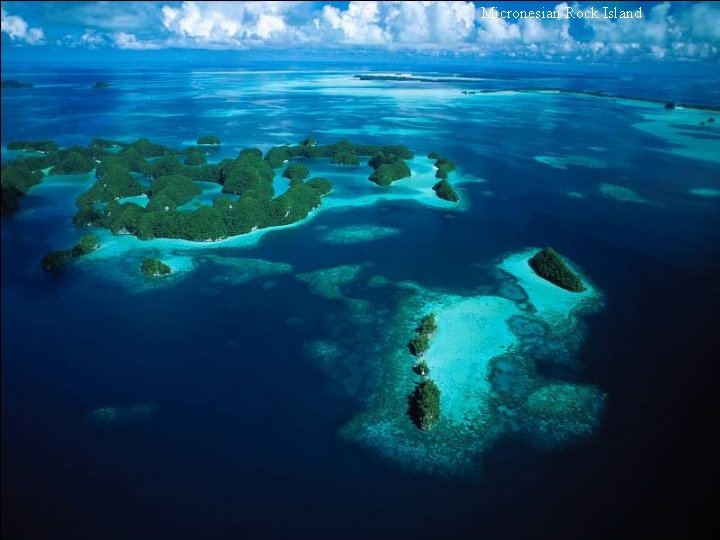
x,y
681,30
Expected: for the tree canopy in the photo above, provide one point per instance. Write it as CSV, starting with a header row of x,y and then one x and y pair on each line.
x,y
549,265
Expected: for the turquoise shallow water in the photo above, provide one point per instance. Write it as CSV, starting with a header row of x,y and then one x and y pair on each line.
x,y
269,373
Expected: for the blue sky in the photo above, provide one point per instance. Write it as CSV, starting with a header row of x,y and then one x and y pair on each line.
x,y
666,32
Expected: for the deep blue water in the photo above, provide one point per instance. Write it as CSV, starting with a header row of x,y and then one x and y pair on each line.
x,y
243,442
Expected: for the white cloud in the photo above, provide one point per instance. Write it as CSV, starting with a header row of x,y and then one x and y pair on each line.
x,y
441,25
399,23
232,23
450,21
359,24
497,30
92,39
18,29
123,40
702,21
667,30
653,29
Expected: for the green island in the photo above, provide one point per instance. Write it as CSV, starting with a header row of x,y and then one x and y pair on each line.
x,y
548,265
97,85
56,259
443,189
11,83
209,140
420,342
167,177
154,267
33,146
424,404
389,165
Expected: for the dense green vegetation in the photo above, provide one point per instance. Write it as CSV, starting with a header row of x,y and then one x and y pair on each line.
x,y
443,189
101,84
114,184
208,139
16,179
85,245
30,146
55,259
421,368
296,171
127,159
420,342
548,265
148,149
444,166
389,166
278,155
320,185
345,158
154,267
387,173
388,162
194,156
424,404
168,176
18,176
248,174
73,163
175,187
428,324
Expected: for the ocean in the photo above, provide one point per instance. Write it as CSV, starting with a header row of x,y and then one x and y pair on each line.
x,y
243,397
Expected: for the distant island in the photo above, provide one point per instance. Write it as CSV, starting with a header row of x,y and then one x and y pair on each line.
x,y
154,267
475,78
548,265
33,146
11,83
208,140
101,84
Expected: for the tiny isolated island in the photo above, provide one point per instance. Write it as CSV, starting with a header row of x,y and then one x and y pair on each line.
x,y
549,265
154,267
166,180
